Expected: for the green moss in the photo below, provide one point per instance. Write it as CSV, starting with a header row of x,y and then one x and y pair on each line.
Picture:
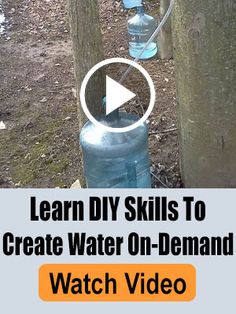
x,y
38,150
57,166
23,175
32,157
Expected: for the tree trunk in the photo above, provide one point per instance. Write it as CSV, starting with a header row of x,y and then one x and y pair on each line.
x,y
165,37
88,51
204,44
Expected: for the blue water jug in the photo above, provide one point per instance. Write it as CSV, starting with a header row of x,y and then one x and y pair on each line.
x,y
116,160
128,4
140,29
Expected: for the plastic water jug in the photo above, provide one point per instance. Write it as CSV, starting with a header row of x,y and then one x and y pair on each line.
x,y
140,29
128,4
116,160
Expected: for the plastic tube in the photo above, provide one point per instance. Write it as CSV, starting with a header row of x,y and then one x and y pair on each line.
x,y
156,32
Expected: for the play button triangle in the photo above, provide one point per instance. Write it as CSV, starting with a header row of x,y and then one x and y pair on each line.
x,y
116,95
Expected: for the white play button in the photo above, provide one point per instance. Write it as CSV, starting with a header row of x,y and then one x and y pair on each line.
x,y
116,95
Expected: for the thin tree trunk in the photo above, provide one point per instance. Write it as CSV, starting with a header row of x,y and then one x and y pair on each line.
x,y
88,51
165,37
204,44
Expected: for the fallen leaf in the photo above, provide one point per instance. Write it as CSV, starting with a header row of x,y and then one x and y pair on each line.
x,y
2,125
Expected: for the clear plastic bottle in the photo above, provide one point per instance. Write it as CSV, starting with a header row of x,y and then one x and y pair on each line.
x,y
140,29
128,4
116,160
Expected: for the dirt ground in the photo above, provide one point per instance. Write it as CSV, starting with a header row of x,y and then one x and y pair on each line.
x,y
39,147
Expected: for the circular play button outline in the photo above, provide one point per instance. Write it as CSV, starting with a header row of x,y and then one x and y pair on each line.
x,y
107,62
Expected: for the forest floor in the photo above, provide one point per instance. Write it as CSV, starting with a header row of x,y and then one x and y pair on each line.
x,y
39,146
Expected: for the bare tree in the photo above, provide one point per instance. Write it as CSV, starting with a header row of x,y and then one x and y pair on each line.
x,y
205,54
88,51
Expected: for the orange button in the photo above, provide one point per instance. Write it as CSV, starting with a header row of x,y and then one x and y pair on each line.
x,y
77,283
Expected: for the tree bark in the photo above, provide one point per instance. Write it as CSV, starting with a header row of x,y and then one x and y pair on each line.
x,y
165,37
88,51
204,44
